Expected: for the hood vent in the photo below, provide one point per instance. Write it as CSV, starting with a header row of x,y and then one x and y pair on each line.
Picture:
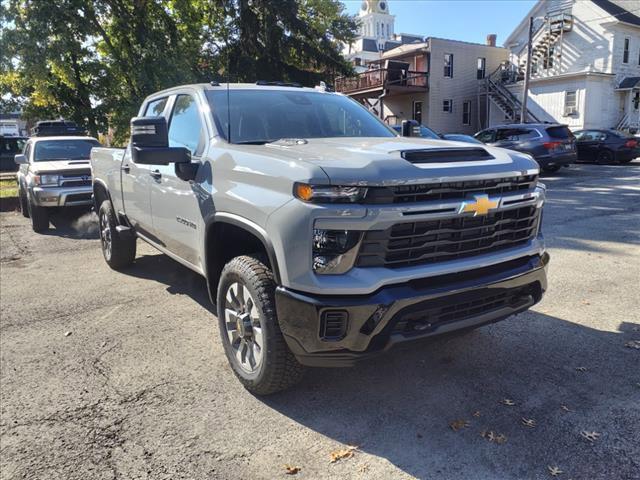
x,y
446,155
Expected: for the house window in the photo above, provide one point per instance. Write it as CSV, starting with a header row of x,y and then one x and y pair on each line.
x,y
417,112
636,100
482,67
625,53
547,63
388,31
570,103
447,105
377,29
448,64
466,113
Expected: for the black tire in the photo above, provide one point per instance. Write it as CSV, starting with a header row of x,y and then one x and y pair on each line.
x,y
119,251
277,369
551,168
24,205
605,156
39,217
623,161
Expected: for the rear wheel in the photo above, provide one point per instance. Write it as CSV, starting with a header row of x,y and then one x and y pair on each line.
x,y
118,251
605,156
39,217
551,168
251,336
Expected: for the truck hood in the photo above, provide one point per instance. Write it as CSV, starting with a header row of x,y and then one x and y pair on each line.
x,y
379,161
60,165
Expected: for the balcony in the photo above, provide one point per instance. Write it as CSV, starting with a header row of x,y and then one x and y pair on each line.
x,y
373,83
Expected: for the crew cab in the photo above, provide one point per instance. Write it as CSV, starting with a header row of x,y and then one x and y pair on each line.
x,y
324,236
54,172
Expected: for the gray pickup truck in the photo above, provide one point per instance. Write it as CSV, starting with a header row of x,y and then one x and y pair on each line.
x,y
325,238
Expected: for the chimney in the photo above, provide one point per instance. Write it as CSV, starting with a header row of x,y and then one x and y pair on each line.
x,y
491,39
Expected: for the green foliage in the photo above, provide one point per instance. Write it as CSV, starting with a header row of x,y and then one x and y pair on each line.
x,y
95,61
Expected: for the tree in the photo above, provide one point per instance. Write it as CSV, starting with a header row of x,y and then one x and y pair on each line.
x,y
95,61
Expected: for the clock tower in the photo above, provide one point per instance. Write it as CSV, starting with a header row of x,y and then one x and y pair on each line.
x,y
376,21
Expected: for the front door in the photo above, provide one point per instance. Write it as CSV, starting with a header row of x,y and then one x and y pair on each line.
x,y
137,179
177,218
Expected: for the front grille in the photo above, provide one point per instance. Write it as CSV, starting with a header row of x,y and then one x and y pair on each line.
x,y
77,178
450,190
432,241
428,315
78,197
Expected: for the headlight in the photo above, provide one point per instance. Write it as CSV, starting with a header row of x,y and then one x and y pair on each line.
x,y
46,179
334,251
328,194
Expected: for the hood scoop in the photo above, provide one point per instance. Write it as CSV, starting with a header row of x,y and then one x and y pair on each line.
x,y
446,155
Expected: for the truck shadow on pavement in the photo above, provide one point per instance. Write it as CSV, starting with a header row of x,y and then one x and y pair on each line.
x,y
429,409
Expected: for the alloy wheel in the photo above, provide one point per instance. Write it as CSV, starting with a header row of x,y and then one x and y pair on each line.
x,y
105,234
243,327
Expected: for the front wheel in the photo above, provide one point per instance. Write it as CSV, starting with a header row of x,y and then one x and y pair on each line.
x,y
24,203
39,217
605,156
118,251
251,336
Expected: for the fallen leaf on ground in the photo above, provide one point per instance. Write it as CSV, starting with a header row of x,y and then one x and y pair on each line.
x,y
581,369
633,344
585,302
554,471
494,437
363,468
458,424
66,334
528,422
291,470
565,408
591,436
476,413
508,402
342,453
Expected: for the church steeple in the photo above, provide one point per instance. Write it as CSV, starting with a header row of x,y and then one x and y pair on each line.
x,y
375,20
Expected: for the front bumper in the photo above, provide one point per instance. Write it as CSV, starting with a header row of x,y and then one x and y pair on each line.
x,y
414,310
62,196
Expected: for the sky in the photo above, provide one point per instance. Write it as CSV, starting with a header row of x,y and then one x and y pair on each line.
x,y
467,20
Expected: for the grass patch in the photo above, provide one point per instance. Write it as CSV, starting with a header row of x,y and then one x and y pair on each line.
x,y
8,188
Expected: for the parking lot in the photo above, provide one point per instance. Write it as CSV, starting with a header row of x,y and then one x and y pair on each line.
x,y
109,375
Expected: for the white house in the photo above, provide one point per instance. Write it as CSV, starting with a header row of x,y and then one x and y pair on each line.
x,y
585,66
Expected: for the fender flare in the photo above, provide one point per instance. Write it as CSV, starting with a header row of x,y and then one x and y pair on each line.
x,y
256,230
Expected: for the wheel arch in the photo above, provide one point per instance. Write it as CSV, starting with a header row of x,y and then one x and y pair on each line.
x,y
227,236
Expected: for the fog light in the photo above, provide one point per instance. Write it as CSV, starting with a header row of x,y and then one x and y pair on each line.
x,y
334,251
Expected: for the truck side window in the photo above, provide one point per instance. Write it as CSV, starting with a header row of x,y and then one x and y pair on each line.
x,y
486,136
156,108
185,129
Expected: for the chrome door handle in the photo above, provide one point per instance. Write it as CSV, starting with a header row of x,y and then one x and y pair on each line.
x,y
125,168
155,174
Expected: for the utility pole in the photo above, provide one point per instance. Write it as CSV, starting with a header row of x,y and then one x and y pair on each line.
x,y
527,73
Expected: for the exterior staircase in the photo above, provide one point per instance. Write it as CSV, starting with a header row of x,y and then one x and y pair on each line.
x,y
494,87
546,37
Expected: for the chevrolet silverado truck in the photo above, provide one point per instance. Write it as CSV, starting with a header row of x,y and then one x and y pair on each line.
x,y
324,237
54,171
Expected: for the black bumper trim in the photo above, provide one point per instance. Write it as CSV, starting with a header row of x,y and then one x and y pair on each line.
x,y
372,318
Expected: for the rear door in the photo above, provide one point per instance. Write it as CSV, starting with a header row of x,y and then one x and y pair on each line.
x,y
587,145
137,180
176,210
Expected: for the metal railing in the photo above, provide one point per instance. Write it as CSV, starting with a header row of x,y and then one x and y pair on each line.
x,y
381,78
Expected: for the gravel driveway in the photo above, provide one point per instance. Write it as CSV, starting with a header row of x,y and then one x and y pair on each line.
x,y
121,375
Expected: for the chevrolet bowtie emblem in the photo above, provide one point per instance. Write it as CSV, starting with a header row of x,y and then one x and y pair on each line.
x,y
480,205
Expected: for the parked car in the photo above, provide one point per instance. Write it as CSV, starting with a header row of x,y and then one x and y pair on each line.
x,y
425,132
606,146
459,137
551,144
325,238
9,128
9,147
53,172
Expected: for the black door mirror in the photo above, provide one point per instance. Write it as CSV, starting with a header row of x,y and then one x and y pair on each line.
x,y
150,143
410,128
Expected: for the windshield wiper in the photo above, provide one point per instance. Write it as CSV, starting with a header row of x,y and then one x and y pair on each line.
x,y
256,142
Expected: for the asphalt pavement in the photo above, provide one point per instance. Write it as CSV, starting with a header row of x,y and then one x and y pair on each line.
x,y
107,375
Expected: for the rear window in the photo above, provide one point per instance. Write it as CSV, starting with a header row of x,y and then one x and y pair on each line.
x,y
516,134
620,134
560,133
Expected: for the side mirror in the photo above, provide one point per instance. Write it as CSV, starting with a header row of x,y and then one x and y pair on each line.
x,y
150,143
410,128
20,159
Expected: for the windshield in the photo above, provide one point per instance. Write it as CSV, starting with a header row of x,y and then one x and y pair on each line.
x,y
46,150
261,116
